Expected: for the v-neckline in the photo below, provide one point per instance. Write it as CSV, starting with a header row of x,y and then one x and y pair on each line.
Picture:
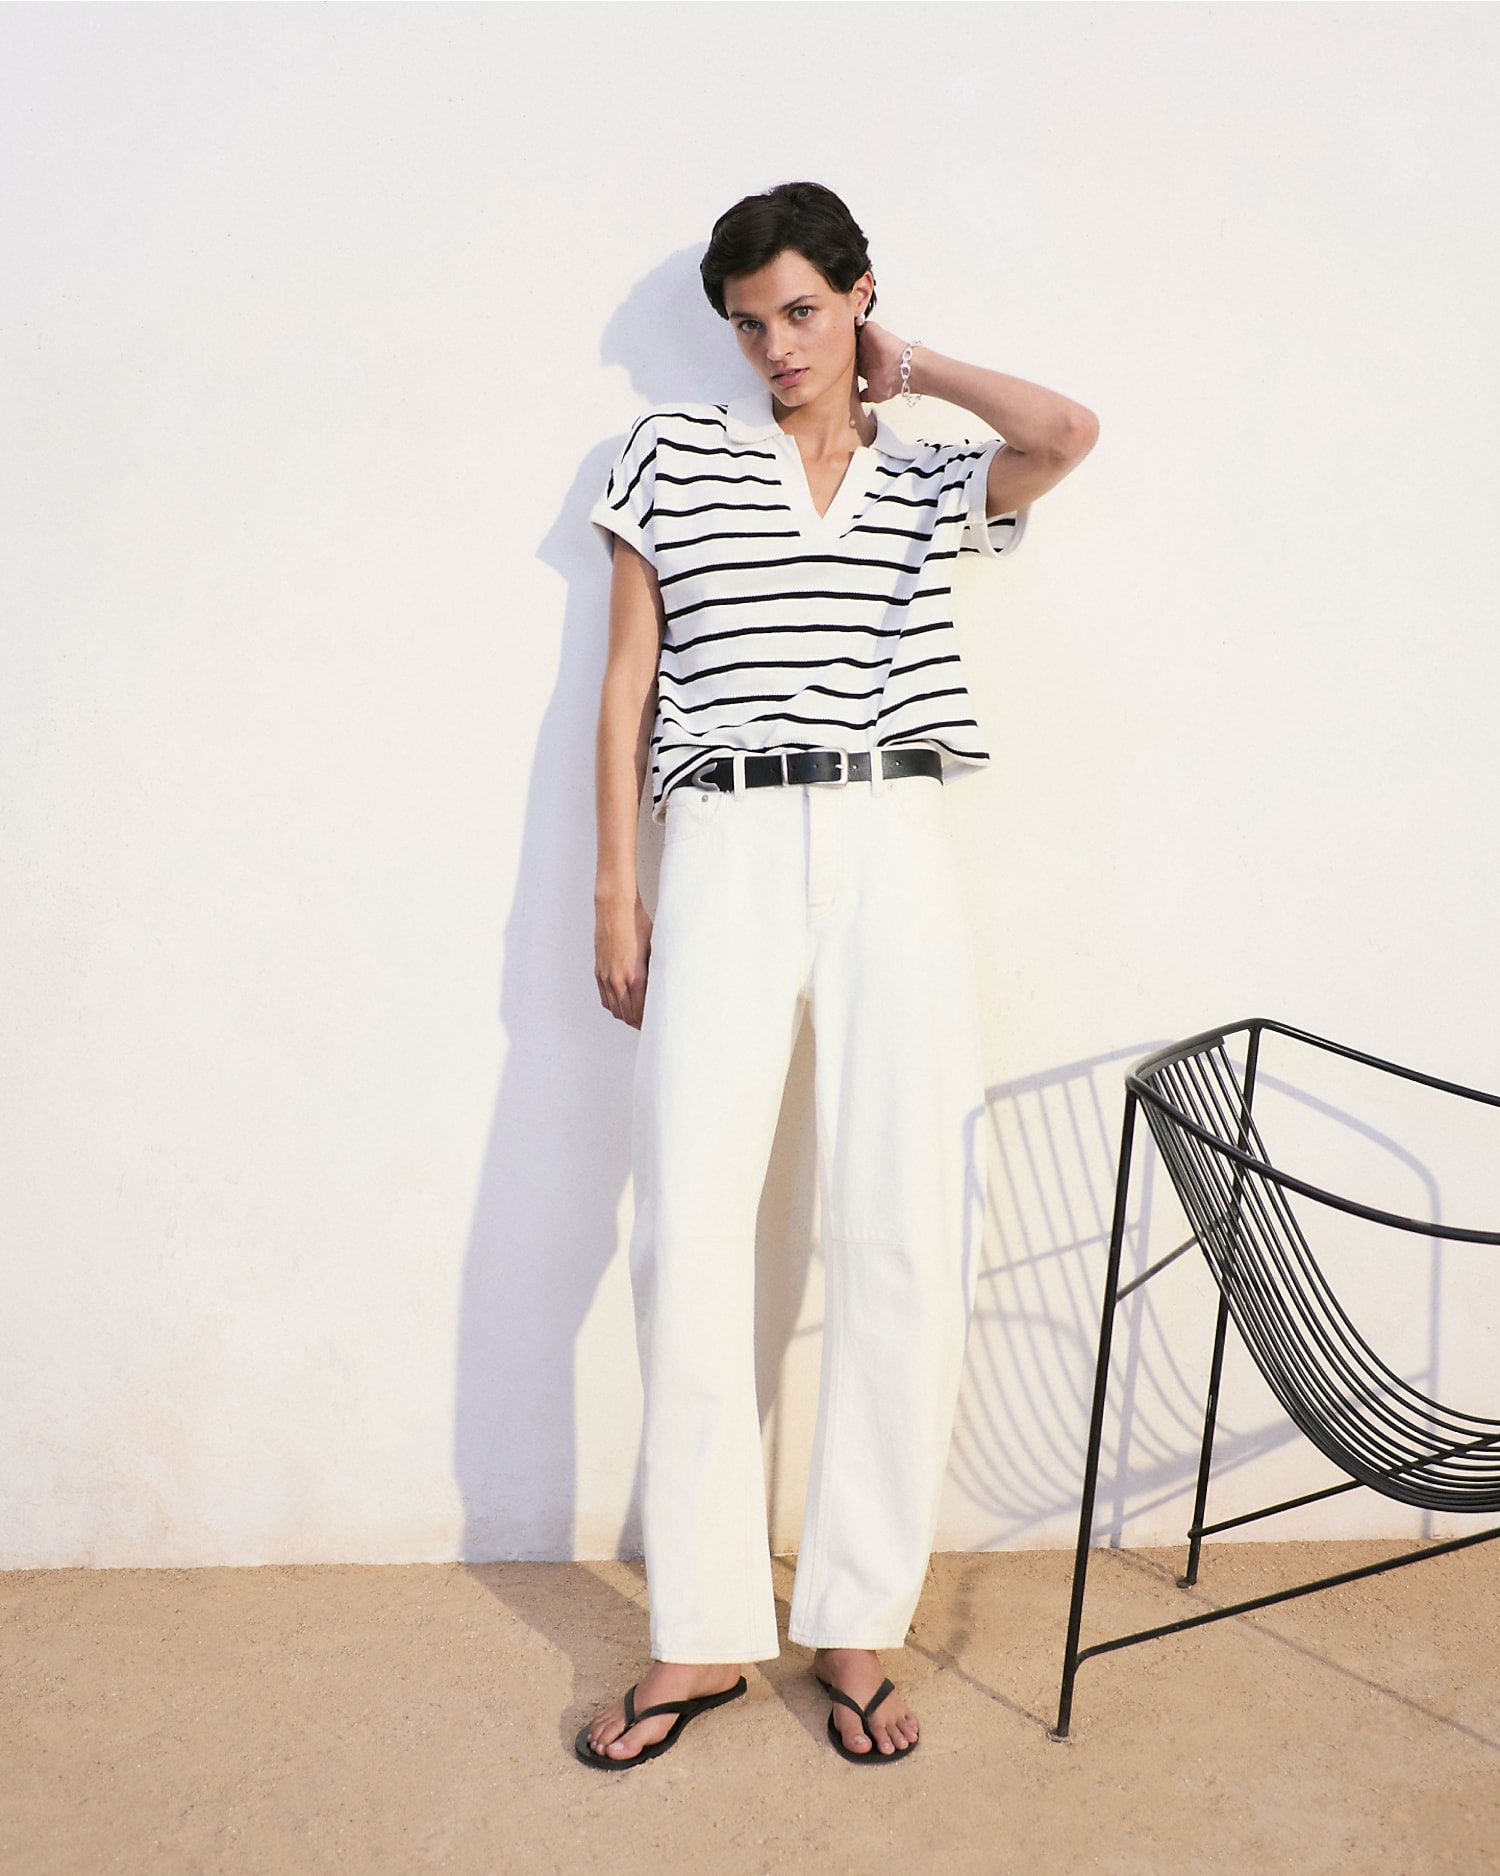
x,y
751,420
839,516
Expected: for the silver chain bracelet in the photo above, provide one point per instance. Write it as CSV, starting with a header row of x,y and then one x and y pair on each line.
x,y
911,396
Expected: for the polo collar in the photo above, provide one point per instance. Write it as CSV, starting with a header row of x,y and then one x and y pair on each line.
x,y
750,420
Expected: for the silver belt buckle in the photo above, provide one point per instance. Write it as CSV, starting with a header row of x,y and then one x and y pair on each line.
x,y
841,780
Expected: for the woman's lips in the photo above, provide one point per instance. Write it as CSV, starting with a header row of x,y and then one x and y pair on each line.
x,y
785,378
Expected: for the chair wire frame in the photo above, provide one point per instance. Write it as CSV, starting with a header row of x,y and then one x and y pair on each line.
x,y
1377,1428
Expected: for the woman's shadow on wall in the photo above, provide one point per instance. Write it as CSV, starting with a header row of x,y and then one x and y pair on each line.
x,y
556,1164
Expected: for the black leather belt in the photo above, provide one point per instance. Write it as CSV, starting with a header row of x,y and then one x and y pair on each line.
x,y
826,767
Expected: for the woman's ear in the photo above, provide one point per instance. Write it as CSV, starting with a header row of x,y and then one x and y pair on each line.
x,y
864,290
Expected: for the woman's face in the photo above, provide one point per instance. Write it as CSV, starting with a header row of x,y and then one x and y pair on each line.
x,y
796,331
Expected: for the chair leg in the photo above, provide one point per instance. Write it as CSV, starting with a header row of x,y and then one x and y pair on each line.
x,y
1206,1455
1216,1366
1096,1422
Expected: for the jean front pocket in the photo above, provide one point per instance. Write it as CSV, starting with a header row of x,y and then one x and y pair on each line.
x,y
918,801
690,812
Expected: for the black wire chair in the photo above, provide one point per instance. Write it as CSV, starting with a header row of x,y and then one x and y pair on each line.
x,y
1376,1427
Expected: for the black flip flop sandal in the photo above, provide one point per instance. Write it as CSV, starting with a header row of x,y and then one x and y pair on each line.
x,y
874,1756
684,1709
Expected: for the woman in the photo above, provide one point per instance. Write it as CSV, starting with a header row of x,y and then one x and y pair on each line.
x,y
782,660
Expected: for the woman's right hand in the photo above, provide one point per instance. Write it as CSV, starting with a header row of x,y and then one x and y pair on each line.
x,y
622,956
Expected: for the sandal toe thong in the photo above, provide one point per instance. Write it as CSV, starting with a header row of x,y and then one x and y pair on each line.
x,y
874,1756
684,1709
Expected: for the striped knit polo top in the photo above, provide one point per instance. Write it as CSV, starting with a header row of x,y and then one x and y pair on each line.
x,y
790,630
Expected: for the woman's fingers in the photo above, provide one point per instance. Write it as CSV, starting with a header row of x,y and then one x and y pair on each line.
x,y
635,1005
622,952
624,996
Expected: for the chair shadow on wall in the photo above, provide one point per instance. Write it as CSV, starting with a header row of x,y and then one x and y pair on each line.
x,y
1019,1441
1020,1434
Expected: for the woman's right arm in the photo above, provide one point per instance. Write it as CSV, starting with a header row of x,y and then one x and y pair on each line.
x,y
627,711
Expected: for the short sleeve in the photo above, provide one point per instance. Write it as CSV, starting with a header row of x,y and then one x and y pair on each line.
x,y
628,505
997,534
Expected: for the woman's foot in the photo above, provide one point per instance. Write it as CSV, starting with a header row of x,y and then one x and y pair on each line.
x,y
857,1672
662,1681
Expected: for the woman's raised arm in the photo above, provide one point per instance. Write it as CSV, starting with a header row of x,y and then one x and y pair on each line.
x,y
1046,434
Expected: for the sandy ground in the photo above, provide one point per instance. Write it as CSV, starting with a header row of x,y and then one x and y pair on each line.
x,y
422,1718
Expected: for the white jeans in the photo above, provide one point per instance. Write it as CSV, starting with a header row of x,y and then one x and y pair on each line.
x,y
847,899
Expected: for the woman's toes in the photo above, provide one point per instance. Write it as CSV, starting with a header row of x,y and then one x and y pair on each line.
x,y
895,1736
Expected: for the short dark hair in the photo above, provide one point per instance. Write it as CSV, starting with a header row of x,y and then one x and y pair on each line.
x,y
801,216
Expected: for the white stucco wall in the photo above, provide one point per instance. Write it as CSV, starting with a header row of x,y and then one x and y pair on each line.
x,y
320,327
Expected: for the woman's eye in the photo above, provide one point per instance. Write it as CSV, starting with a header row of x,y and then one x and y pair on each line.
x,y
801,312
747,325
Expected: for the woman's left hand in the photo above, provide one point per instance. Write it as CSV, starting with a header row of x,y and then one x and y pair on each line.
x,y
878,360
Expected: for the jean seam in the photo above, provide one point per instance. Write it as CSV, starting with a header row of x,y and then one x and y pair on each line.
x,y
835,1383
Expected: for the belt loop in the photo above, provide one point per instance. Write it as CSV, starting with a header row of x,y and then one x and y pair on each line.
x,y
737,763
877,772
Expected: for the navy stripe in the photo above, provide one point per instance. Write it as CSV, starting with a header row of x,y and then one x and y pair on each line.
x,y
887,602
717,449
682,416
926,696
765,508
788,560
922,664
929,733
682,482
831,723
763,631
757,697
902,501
732,534
928,728
783,664
925,475
645,464
906,534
